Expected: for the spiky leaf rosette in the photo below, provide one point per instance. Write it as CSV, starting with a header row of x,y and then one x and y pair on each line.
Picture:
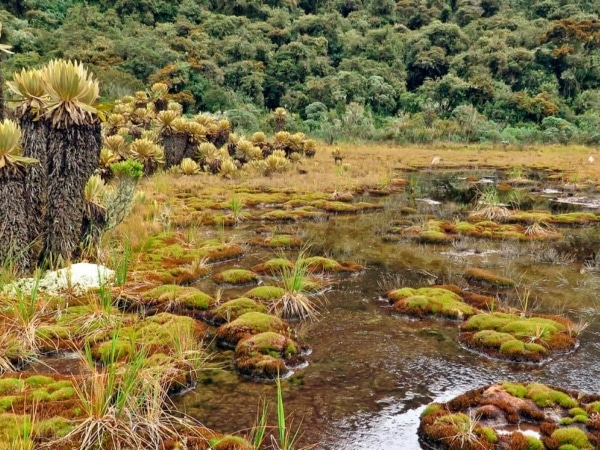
x,y
28,86
259,137
159,90
95,190
10,152
117,145
107,157
207,151
150,154
174,106
72,92
189,167
166,121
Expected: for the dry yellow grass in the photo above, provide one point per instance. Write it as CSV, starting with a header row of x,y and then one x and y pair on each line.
x,y
363,165
378,164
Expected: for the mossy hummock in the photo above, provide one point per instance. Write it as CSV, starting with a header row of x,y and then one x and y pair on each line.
x,y
479,301
292,215
172,298
274,266
480,419
18,392
424,302
566,219
278,241
267,355
322,265
75,323
165,340
440,231
518,338
169,258
236,277
229,442
248,325
265,294
486,278
45,406
155,334
232,309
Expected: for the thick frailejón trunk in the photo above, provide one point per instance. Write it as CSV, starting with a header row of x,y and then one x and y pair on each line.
x,y
191,149
95,221
73,155
14,220
174,145
34,143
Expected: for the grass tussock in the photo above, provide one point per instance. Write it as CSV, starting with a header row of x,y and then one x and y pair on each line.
x,y
123,406
297,303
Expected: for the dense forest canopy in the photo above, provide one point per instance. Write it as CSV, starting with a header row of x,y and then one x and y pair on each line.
x,y
470,68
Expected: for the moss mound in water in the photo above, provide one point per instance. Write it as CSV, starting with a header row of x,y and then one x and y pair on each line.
x,y
438,302
278,241
518,338
437,231
489,279
480,418
248,325
173,298
169,258
165,340
265,293
267,355
232,309
273,266
236,277
321,265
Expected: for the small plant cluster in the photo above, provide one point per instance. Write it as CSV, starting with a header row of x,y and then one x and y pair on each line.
x,y
151,129
473,420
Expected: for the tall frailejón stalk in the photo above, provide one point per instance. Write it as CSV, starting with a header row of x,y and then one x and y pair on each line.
x,y
14,219
28,87
73,150
62,130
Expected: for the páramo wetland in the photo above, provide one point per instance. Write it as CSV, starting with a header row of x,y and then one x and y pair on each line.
x,y
176,279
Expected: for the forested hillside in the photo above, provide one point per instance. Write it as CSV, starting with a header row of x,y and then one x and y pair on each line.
x,y
407,70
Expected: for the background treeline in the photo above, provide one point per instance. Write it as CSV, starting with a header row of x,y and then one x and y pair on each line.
x,y
515,71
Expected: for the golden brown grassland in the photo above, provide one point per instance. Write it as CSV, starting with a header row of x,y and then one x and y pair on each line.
x,y
363,166
375,164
